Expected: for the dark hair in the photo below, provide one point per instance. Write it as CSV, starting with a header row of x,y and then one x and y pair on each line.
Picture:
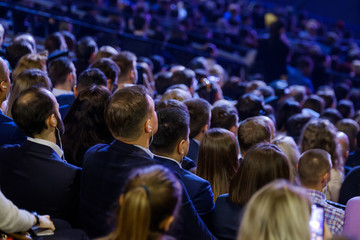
x,y
218,159
31,109
54,42
90,77
170,103
332,115
223,116
150,196
295,124
312,165
126,111
69,39
262,164
314,103
249,105
85,124
173,126
85,48
139,22
185,76
275,28
162,82
16,50
199,111
253,131
109,68
328,96
350,128
286,110
346,108
125,61
59,69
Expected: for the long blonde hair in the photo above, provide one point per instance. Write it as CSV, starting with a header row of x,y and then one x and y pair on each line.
x,y
278,211
151,195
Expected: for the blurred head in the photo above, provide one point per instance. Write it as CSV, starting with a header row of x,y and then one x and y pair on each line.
x,y
111,71
89,78
86,49
16,50
225,116
28,61
350,128
62,71
127,63
200,114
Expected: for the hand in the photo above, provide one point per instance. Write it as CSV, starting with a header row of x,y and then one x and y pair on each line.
x,y
45,222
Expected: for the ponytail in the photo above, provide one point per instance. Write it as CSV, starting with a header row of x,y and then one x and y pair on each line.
x,y
134,215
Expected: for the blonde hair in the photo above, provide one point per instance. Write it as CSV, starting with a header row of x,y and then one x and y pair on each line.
x,y
151,195
278,211
31,60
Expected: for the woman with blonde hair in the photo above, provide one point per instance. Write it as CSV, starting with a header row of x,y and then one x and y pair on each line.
x,y
218,159
148,205
278,211
321,133
31,60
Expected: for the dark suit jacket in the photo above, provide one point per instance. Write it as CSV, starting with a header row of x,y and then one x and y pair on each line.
x,y
351,186
9,132
199,190
193,150
105,171
65,101
35,178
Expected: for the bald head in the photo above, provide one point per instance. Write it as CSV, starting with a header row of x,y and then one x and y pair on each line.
x,y
313,165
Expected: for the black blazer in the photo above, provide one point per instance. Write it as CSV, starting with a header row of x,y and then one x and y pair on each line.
x,y
193,150
9,132
35,178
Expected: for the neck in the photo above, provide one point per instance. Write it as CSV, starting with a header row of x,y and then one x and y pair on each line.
x,y
318,188
142,141
63,87
173,155
47,135
199,136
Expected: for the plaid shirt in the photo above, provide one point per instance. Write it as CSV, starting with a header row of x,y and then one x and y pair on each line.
x,y
334,216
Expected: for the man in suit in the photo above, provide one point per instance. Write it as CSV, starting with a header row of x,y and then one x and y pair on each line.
x,y
132,120
9,132
33,174
170,145
200,115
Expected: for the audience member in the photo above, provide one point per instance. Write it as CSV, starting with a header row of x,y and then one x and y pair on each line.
x,y
249,105
54,182
128,72
111,71
331,114
225,116
16,50
89,78
351,129
86,50
314,170
29,61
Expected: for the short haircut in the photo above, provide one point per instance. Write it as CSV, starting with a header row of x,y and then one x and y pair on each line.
x,y
313,164
59,69
185,76
223,116
346,108
295,124
350,128
252,131
332,115
177,94
16,50
249,105
28,61
90,77
125,61
126,112
315,103
85,48
162,81
31,109
200,112
329,97
173,126
285,111
170,103
109,68
54,41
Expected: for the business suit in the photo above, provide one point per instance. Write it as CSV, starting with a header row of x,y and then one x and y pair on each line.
x,y
9,132
65,102
105,171
35,178
193,150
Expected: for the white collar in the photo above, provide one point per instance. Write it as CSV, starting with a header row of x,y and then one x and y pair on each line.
x,y
52,145
57,92
146,150
170,159
197,141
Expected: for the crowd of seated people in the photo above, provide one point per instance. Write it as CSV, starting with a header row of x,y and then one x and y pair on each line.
x,y
113,145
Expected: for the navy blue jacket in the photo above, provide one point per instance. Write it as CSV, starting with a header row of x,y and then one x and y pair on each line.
x,y
106,169
9,132
193,150
351,186
35,178
65,102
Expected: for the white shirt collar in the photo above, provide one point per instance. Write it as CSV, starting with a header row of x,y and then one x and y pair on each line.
x,y
146,150
171,160
58,92
55,147
198,142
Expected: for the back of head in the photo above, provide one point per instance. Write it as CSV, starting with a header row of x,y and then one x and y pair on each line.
x,y
286,110
249,105
329,97
55,41
177,94
321,134
315,103
332,115
16,50
26,79
346,108
162,81
224,116
171,103
125,60
262,164
70,40
31,60
295,124
252,131
31,109
59,69
313,164
218,159
185,76
151,195
85,48
126,112
90,77
277,204
200,113
350,128
109,68
105,52
173,126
